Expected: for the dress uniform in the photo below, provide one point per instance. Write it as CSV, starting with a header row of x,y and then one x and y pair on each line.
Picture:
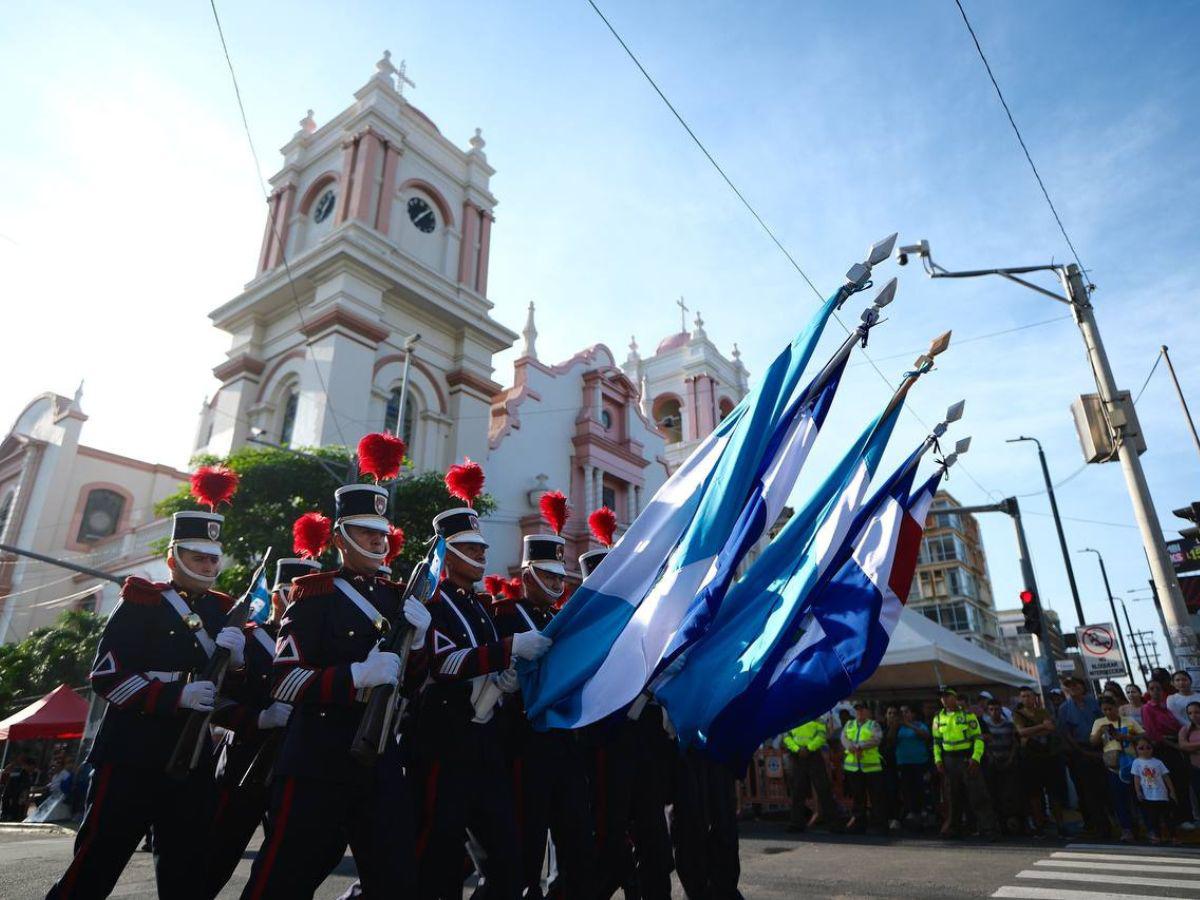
x,y
549,769
254,729
704,828
326,658
806,745
957,750
457,752
157,638
863,765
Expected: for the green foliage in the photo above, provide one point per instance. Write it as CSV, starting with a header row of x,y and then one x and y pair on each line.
x,y
277,486
58,654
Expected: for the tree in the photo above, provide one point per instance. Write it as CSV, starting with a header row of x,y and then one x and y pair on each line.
x,y
277,486
58,654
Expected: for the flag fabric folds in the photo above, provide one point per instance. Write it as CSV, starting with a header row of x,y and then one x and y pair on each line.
x,y
761,608
660,585
259,597
846,626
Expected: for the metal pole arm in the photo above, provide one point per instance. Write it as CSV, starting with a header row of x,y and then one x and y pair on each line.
x,y
63,564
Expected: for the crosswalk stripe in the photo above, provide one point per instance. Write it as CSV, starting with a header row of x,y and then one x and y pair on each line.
x,y
1140,851
1129,857
1047,875
1023,892
1140,866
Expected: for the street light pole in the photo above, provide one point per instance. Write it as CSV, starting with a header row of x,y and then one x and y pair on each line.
x,y
1187,413
1180,636
1112,604
1062,538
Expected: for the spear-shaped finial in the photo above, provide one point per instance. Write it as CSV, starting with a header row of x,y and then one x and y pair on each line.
x,y
859,274
961,447
870,315
953,414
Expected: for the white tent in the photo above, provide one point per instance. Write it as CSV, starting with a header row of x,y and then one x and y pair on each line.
x,y
923,654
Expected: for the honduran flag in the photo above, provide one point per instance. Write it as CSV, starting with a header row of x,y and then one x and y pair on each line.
x,y
660,584
848,622
761,609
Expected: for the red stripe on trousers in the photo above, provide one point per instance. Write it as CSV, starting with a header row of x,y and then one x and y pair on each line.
x,y
327,685
68,881
285,809
430,802
152,693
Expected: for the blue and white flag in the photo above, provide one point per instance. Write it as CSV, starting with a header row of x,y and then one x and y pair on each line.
x,y
844,633
259,598
760,609
660,585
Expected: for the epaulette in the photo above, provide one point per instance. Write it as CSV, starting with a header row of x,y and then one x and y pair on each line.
x,y
314,585
142,592
225,599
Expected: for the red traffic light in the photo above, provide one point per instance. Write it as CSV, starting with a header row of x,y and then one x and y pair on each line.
x,y
1026,597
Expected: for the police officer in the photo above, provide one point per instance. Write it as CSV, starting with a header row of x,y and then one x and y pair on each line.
x,y
806,745
251,738
549,769
158,636
457,752
863,765
957,750
326,659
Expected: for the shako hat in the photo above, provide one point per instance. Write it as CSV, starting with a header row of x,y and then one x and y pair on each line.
x,y
287,570
197,531
459,526
545,552
363,505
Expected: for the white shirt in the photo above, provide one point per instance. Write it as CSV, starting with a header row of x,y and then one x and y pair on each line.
x,y
1150,772
1177,703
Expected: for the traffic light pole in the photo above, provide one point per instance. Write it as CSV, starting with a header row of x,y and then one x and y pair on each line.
x,y
1112,604
1047,674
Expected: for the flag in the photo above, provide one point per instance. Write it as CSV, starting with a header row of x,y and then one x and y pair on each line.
x,y
758,611
848,621
648,597
259,598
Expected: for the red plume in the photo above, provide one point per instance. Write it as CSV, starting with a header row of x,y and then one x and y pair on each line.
x,y
395,543
380,455
603,523
310,535
512,589
493,584
465,481
214,485
554,510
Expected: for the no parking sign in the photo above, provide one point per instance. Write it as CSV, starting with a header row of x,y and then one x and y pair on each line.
x,y
1100,651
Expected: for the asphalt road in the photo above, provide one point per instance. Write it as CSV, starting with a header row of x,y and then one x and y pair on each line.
x,y
778,864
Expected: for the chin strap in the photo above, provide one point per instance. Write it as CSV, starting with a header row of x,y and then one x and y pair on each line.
x,y
341,529
472,563
553,595
205,581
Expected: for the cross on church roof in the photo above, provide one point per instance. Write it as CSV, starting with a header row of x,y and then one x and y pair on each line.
x,y
402,79
683,310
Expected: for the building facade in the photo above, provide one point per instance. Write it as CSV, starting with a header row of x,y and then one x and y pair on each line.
x,y
1012,631
63,498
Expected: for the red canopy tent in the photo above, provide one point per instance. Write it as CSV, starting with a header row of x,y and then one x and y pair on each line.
x,y
60,715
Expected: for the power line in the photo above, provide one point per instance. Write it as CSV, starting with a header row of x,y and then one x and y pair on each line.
x,y
1017,132
958,342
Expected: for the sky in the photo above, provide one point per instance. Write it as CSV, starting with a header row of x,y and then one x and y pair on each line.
x,y
131,206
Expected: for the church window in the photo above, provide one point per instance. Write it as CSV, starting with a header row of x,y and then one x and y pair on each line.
x,y
608,497
288,425
668,417
324,206
392,415
725,407
606,419
421,215
101,513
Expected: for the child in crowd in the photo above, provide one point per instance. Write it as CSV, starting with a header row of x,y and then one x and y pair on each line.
x,y
1155,792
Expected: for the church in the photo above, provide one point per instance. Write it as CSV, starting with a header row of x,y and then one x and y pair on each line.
x,y
372,275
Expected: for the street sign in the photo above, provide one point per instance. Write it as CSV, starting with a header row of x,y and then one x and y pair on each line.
x,y
1064,666
1100,652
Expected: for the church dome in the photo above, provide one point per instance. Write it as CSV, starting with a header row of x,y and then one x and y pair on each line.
x,y
673,342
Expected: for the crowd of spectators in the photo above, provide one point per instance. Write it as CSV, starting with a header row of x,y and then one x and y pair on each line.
x,y
1127,761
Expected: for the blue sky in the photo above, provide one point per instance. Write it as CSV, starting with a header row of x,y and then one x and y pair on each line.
x,y
131,207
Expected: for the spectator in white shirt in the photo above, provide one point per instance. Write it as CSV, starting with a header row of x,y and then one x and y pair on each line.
x,y
1177,702
1155,792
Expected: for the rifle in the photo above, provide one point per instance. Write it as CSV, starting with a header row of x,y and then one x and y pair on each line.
x,y
259,771
195,730
385,703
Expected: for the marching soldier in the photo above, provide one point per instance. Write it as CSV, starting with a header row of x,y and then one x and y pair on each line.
x,y
254,728
325,660
549,769
457,751
158,636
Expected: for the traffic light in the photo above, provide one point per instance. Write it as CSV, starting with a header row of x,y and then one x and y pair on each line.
x,y
1192,514
1032,610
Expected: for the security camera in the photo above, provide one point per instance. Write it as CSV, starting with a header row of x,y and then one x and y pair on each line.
x,y
902,258
921,250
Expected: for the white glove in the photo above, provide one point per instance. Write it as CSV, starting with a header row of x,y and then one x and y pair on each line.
x,y
419,618
378,668
275,716
530,645
198,695
507,681
233,640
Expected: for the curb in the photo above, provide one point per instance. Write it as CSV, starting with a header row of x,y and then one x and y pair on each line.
x,y
36,828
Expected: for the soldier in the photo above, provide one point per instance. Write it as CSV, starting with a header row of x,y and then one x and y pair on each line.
x,y
325,660
549,769
157,637
457,752
255,729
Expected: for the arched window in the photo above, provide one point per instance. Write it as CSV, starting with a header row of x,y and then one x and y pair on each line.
x,y
668,417
392,415
101,515
288,422
725,407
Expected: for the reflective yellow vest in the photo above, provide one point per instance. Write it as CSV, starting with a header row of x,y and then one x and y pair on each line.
x,y
955,732
811,736
869,759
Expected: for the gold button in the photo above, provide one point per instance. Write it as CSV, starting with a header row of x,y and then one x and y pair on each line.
x,y
350,633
